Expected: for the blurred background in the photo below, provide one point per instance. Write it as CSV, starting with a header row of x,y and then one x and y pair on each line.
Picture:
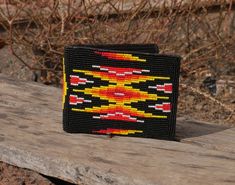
x,y
33,34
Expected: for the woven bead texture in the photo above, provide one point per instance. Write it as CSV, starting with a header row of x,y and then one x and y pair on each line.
x,y
127,90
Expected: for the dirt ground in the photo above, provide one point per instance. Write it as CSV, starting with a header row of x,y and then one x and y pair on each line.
x,y
10,175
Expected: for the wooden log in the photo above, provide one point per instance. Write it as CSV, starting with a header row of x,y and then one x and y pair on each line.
x,y
31,136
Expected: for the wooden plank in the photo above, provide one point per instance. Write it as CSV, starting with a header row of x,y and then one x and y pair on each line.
x,y
31,137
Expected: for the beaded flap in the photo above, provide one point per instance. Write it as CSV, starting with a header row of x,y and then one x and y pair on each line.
x,y
120,90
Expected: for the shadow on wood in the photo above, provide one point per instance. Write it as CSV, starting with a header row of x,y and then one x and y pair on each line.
x,y
191,128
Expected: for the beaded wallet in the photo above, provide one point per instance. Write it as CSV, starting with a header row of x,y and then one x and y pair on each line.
x,y
126,90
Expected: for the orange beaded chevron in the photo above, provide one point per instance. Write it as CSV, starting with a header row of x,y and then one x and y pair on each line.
x,y
120,56
119,93
117,131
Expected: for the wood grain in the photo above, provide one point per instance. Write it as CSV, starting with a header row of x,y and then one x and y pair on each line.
x,y
31,137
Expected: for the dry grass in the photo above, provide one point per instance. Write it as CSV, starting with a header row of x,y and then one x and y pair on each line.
x,y
202,33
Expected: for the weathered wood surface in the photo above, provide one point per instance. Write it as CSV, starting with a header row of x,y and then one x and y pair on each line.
x,y
31,137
